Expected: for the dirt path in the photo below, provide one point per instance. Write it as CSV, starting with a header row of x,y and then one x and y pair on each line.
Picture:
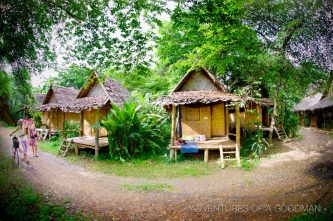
x,y
230,194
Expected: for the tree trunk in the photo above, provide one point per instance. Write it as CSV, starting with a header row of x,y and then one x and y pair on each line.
x,y
271,129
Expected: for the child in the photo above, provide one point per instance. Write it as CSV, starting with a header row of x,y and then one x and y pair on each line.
x,y
33,139
15,147
21,131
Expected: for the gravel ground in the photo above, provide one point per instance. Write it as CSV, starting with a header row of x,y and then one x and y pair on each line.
x,y
291,179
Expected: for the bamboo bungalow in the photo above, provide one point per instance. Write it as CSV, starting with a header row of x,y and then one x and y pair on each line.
x,y
319,109
202,108
55,97
89,105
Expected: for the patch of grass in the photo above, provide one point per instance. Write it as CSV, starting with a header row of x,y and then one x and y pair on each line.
x,y
156,167
152,167
249,164
19,201
148,187
315,216
49,146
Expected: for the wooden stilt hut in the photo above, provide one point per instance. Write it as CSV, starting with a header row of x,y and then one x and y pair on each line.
x,y
54,98
90,105
206,110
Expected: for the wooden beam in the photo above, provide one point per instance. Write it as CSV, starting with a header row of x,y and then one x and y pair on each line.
x,y
97,133
258,113
173,125
173,130
81,124
63,126
226,120
237,124
237,134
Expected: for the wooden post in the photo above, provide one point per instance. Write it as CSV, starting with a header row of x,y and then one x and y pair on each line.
x,y
81,124
63,126
301,119
227,121
97,134
206,156
173,130
258,113
237,133
237,124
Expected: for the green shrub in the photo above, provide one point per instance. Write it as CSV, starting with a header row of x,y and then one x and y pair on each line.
x,y
132,133
73,127
254,146
291,124
38,120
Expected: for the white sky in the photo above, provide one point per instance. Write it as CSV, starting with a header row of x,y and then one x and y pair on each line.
x,y
40,79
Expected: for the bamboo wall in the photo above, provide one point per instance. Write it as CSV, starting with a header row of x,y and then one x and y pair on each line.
x,y
204,120
248,117
52,119
89,118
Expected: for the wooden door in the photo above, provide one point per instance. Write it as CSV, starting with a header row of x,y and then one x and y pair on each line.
x,y
218,120
196,121
205,121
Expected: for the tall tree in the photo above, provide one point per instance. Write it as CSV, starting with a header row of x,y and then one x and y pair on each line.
x,y
101,32
292,32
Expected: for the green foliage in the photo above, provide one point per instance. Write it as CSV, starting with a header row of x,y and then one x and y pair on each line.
x,y
316,216
72,129
254,146
73,76
291,124
149,187
208,34
38,120
142,80
6,88
100,33
131,133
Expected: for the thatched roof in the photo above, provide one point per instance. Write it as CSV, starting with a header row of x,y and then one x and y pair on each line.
x,y
204,97
60,94
202,88
323,103
307,103
117,93
113,93
195,97
39,97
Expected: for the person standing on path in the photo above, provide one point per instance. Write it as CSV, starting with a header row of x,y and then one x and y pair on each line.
x,y
33,138
22,131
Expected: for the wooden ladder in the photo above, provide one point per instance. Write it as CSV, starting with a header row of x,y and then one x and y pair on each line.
x,y
229,150
281,133
64,147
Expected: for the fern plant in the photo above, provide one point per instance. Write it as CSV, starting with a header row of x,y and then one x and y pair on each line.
x,y
131,133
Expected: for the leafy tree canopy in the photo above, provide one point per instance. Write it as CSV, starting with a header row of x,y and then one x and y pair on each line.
x,y
100,32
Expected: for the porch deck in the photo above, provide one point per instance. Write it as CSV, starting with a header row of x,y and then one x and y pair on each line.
x,y
87,142
211,144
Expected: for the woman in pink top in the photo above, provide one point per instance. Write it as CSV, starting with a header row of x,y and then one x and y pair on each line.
x,y
33,139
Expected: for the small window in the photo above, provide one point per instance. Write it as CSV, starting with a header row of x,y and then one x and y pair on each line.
x,y
192,113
